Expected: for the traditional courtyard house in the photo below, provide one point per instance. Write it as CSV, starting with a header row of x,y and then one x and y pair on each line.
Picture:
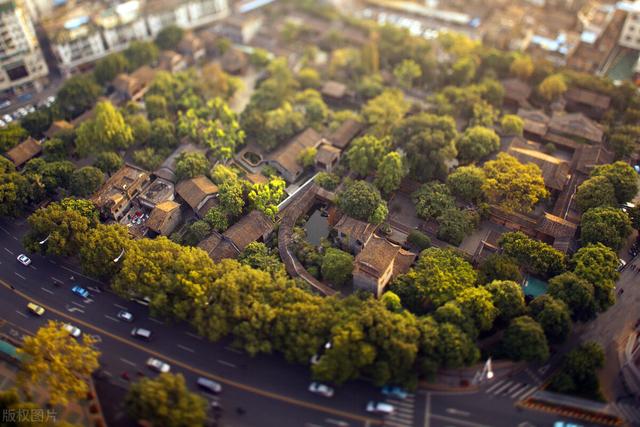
x,y
286,157
353,234
117,194
199,193
164,218
23,152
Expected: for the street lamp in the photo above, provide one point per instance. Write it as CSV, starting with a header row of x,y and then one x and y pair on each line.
x,y
485,374
116,259
42,242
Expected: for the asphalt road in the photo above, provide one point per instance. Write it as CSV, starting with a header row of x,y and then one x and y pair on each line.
x,y
272,392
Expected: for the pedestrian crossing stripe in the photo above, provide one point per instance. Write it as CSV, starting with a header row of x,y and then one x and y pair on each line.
x,y
495,386
404,414
396,424
629,413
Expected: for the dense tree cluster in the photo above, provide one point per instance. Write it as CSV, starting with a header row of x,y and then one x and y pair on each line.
x,y
535,256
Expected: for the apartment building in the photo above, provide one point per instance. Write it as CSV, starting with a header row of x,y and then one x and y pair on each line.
x,y
82,32
22,66
630,36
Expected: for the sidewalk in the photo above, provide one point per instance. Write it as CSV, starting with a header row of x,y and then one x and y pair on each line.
x,y
458,380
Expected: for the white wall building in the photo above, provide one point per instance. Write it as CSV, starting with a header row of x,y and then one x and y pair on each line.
x,y
22,65
81,35
630,36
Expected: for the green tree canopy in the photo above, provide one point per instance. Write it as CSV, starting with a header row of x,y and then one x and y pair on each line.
x,y
337,266
217,219
366,153
512,185
553,315
11,135
109,67
512,125
406,73
108,161
191,164
598,265
606,225
454,224
156,106
534,255
391,170
100,246
107,130
623,178
85,181
169,37
595,192
438,277
429,143
524,339
432,200
77,95
384,111
577,293
166,401
578,373
522,67
499,267
508,298
163,135
466,183
476,143
140,53
362,201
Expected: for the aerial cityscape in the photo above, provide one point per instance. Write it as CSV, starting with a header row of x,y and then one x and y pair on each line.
x,y
319,213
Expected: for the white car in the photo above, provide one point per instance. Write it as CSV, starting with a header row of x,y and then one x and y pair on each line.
x,y
380,408
125,315
158,365
7,118
73,330
321,389
24,260
30,109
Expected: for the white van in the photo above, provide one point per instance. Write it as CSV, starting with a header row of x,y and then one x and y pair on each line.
x,y
380,408
209,385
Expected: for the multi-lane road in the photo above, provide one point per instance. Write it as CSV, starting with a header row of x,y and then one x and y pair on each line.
x,y
271,391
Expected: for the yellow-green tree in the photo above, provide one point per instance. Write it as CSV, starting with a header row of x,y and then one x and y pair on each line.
x,y
63,364
106,131
552,87
385,111
522,67
265,197
166,401
512,185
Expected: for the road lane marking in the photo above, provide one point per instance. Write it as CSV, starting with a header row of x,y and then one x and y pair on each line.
x,y
73,309
201,372
52,261
56,280
128,362
47,291
33,266
111,318
156,321
198,337
22,314
233,350
454,411
20,276
340,423
107,373
77,304
456,420
9,251
121,306
225,363
185,348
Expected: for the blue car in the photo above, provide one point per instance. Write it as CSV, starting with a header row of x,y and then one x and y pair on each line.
x,y
397,392
80,291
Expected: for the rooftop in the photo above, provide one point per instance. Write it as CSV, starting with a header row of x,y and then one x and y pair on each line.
x,y
355,229
160,214
195,190
287,154
348,130
119,184
25,151
555,171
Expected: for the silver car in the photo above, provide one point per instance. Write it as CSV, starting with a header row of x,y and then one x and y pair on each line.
x,y
158,365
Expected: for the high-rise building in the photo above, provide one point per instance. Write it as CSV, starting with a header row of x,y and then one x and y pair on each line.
x,y
22,65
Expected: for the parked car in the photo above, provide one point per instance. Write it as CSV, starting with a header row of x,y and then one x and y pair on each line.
x,y
5,103
25,97
35,309
621,264
209,385
397,392
125,315
142,301
80,291
7,118
321,389
2,123
24,260
73,330
380,408
30,109
158,365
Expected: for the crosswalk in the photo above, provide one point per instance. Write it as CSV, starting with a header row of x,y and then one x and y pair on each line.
x,y
629,412
511,389
403,414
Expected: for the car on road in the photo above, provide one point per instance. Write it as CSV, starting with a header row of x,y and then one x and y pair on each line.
x,y
158,365
209,385
397,392
141,333
80,291
380,408
74,331
142,301
7,118
50,100
125,315
24,260
35,309
30,109
5,103
321,389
